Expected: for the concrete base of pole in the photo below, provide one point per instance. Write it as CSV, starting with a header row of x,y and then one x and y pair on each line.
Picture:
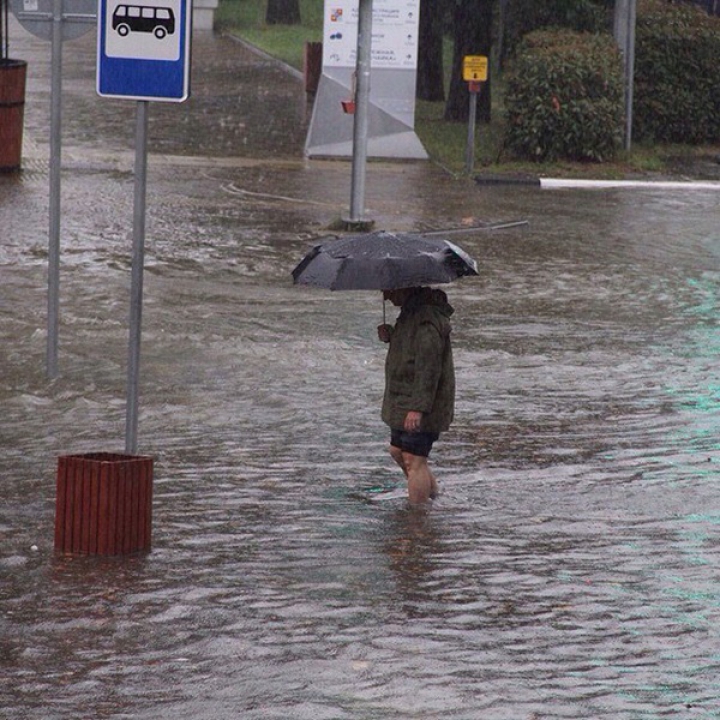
x,y
355,225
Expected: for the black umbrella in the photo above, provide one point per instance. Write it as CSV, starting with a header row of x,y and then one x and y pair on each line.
x,y
382,261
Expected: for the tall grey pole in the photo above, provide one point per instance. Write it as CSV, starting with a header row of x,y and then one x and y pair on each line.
x,y
624,31
136,288
360,127
53,303
470,145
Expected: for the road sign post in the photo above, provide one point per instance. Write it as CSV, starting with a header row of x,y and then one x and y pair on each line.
x,y
56,21
136,281
143,54
475,74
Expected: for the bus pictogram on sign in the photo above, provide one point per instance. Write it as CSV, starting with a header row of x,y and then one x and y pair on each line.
x,y
160,21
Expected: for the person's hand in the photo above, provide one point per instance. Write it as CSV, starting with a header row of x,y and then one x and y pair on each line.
x,y
384,332
413,421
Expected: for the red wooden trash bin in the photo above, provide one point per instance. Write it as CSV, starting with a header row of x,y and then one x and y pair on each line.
x,y
103,504
12,111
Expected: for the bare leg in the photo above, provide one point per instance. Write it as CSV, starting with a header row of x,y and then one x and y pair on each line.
x,y
434,487
397,455
422,485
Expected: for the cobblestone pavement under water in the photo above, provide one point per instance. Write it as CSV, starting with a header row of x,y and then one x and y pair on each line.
x,y
569,568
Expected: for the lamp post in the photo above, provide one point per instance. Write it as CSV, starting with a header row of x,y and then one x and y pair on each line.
x,y
360,127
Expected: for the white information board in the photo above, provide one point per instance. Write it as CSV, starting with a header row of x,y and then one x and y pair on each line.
x,y
393,64
394,33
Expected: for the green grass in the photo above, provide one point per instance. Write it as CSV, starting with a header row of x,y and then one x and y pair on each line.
x,y
444,141
246,19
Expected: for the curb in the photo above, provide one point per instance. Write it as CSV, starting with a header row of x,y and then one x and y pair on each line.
x,y
558,183
581,184
297,74
507,180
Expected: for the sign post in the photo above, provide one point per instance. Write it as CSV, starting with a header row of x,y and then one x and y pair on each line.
x,y
56,21
143,54
475,74
136,282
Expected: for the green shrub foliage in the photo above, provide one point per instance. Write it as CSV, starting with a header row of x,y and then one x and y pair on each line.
x,y
564,97
677,74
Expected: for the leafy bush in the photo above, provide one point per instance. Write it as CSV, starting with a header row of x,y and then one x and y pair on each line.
x,y
677,74
564,97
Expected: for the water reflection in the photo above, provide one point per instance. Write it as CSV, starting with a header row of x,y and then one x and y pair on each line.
x,y
413,546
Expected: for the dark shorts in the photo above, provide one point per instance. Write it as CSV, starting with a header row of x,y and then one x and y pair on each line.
x,y
415,443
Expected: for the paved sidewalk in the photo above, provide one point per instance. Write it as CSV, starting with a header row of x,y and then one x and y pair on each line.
x,y
242,105
245,111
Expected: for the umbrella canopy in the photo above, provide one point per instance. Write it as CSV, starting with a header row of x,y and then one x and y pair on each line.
x,y
382,261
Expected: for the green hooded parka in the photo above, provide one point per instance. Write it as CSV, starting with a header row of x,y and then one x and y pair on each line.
x,y
419,370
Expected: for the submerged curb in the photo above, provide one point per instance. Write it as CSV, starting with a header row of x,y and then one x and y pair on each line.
x,y
579,183
507,180
298,74
554,183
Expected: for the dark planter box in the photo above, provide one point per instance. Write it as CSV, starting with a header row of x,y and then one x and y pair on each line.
x,y
103,504
12,109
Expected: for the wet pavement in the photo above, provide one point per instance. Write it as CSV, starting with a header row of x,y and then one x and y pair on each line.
x,y
569,568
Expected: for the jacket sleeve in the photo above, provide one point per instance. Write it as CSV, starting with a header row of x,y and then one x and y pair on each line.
x,y
429,347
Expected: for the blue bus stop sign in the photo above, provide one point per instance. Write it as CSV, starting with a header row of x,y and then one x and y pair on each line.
x,y
144,49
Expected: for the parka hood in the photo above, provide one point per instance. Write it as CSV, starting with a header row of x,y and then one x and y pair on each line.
x,y
429,296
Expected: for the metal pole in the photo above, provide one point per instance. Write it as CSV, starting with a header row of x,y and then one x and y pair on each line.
x,y
630,72
620,24
5,30
136,289
624,32
55,151
470,148
360,127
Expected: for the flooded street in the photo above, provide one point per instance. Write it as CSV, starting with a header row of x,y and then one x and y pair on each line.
x,y
569,568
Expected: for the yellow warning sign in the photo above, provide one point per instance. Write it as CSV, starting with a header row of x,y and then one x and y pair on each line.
x,y
475,68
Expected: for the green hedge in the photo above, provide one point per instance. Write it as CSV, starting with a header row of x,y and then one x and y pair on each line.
x,y
677,74
564,97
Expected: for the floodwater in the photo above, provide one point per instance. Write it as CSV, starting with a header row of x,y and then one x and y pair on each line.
x,y
569,568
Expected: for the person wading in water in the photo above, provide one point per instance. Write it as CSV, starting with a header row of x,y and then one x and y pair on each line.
x,y
419,398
